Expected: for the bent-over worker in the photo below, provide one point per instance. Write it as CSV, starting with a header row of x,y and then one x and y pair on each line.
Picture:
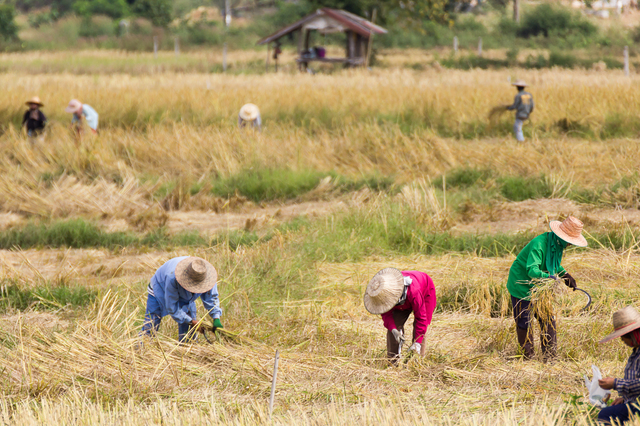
x,y
249,115
523,106
394,295
626,325
173,290
541,259
34,119
82,112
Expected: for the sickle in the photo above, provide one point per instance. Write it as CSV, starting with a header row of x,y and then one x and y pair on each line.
x,y
588,296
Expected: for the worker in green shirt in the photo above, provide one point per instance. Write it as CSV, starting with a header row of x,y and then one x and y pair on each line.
x,y
540,259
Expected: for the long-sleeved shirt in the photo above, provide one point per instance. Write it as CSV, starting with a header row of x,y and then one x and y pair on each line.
x,y
529,264
629,387
89,114
174,299
421,299
523,105
34,124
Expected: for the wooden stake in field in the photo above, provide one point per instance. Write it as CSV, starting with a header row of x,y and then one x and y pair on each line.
x,y
455,44
155,47
273,382
480,47
626,61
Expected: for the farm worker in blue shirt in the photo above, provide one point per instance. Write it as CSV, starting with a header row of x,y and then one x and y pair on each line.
x,y
523,106
80,111
173,290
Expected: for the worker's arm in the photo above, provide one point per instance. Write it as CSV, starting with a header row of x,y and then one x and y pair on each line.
x,y
211,302
171,299
387,320
532,104
43,117
25,117
516,103
534,262
423,307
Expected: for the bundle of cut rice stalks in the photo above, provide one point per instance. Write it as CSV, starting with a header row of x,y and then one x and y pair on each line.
x,y
544,297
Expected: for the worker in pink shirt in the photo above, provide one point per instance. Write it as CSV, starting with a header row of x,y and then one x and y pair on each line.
x,y
394,295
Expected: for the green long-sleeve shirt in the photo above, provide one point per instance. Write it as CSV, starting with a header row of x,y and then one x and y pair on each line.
x,y
529,264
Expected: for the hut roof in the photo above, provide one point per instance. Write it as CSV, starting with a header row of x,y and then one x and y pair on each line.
x,y
328,20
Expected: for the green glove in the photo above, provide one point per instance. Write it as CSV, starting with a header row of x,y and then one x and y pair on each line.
x,y
217,323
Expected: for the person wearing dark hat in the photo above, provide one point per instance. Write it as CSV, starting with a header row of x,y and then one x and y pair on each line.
x,y
626,325
173,290
394,295
34,120
523,106
541,259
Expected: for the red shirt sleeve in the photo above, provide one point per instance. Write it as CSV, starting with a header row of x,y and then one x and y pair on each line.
x,y
423,304
387,319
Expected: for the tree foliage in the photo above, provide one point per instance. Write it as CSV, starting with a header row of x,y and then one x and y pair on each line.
x,y
158,11
8,27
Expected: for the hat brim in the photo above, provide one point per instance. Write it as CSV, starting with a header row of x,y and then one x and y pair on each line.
x,y
35,103
249,112
621,332
189,284
520,84
580,241
378,307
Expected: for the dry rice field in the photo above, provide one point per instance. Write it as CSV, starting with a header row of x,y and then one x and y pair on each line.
x,y
294,283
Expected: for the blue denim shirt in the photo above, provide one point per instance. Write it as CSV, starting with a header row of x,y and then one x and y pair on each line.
x,y
174,299
629,387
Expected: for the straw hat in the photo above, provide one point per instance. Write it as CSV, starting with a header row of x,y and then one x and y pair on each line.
x,y
519,83
383,291
35,100
196,275
74,106
570,231
249,112
625,320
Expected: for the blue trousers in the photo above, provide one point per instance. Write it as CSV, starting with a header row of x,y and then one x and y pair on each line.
x,y
619,413
153,318
517,130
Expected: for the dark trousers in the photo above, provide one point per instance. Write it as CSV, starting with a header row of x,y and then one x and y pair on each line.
x,y
399,318
524,328
619,413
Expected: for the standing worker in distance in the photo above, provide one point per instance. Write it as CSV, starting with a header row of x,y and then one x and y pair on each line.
x,y
523,106
394,295
173,290
626,325
34,120
82,112
541,259
250,116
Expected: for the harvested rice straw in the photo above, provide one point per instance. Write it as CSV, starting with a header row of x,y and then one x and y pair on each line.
x,y
543,296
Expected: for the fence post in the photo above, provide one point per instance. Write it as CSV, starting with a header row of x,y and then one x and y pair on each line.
x,y
626,61
455,44
155,47
176,46
480,47
273,382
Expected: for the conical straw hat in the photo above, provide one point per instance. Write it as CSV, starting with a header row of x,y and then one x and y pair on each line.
x,y
74,106
625,320
384,291
519,83
196,275
35,100
570,231
249,112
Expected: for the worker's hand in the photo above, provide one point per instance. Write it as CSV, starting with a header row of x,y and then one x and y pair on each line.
x,y
606,383
618,401
416,347
397,335
217,323
569,281
198,327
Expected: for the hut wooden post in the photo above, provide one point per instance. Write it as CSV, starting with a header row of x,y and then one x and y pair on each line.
x,y
267,63
370,40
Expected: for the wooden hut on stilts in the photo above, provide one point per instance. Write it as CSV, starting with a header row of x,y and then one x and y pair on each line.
x,y
359,35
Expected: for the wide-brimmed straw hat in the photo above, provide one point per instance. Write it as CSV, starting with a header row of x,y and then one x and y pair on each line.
x,y
570,230
249,112
383,291
519,83
35,100
74,106
196,275
625,320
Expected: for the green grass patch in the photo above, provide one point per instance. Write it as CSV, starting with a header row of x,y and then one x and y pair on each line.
x,y
14,297
270,184
518,188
